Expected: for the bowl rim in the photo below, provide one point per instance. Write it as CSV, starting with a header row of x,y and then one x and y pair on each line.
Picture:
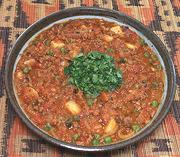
x,y
88,11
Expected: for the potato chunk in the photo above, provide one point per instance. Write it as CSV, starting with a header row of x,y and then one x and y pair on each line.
x,y
83,27
74,50
117,30
30,62
111,127
131,46
30,94
57,44
73,107
20,75
107,38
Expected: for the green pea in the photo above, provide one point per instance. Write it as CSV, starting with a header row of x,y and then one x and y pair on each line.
x,y
47,127
96,136
75,137
146,54
50,53
26,70
63,50
136,127
107,140
154,103
95,142
47,42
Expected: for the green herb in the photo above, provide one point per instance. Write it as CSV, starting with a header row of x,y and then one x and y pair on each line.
x,y
47,127
66,70
159,67
75,137
136,127
82,50
154,57
142,41
110,50
154,103
50,53
69,121
35,42
70,80
136,111
95,142
76,118
90,102
96,136
63,50
146,54
123,60
47,42
26,70
69,41
107,140
154,85
94,73
89,99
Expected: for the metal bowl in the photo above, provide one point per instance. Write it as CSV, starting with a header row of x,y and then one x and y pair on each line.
x,y
96,13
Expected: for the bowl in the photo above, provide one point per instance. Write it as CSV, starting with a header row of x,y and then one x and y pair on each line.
x,y
90,12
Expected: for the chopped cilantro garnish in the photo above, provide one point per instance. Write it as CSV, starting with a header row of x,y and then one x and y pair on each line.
x,y
94,73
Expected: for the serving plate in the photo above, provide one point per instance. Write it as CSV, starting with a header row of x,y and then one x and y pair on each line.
x,y
89,12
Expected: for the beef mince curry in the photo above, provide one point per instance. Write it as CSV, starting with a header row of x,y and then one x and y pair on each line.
x,y
89,82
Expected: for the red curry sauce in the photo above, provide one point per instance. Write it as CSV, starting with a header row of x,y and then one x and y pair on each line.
x,y
61,110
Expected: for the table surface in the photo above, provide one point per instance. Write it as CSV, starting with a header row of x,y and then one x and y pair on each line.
x,y
161,16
